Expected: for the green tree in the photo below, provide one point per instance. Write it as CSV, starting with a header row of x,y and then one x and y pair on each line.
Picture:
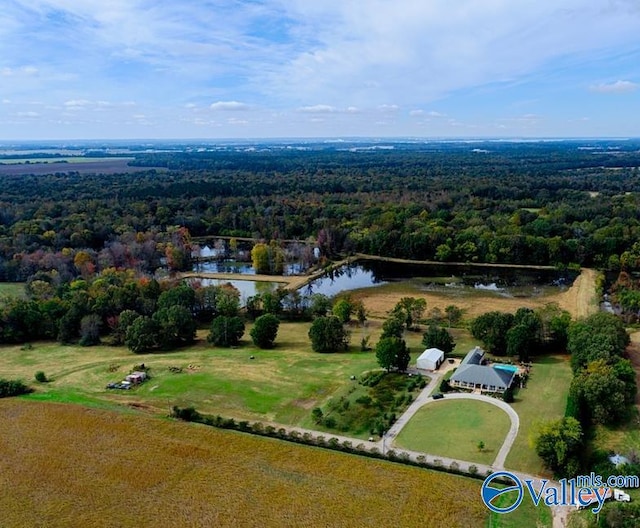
x,y
454,314
523,338
320,305
392,352
555,324
559,444
265,330
125,319
228,301
491,328
436,337
182,295
226,331
260,258
409,310
90,330
176,326
600,336
342,309
602,392
392,327
141,335
328,335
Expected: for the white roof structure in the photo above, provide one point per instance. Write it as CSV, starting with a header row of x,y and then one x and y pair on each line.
x,y
430,359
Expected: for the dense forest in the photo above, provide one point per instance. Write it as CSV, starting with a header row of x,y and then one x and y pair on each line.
x,y
558,203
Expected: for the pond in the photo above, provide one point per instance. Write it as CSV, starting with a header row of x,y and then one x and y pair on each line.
x,y
218,260
247,288
504,282
242,268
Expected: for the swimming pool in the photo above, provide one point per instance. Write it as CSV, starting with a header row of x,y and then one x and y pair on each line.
x,y
508,368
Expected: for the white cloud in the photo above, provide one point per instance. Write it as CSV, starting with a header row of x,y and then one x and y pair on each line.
x,y
229,106
374,50
77,103
317,109
614,87
388,108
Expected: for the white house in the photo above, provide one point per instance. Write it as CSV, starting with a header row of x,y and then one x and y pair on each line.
x,y
430,359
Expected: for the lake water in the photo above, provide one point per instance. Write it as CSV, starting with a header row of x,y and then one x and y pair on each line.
x,y
504,282
247,288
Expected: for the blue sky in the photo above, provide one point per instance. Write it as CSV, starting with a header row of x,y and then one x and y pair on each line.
x,y
93,69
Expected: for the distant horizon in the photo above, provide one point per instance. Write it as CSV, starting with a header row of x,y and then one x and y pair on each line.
x,y
320,139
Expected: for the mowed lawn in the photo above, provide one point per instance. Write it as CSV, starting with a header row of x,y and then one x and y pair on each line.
x,y
65,465
453,428
11,289
543,399
280,385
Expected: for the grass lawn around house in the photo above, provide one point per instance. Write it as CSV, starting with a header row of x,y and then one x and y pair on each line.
x,y
543,399
11,289
281,385
527,515
453,428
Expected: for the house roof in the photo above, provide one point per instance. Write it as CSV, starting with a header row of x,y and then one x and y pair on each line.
x,y
433,354
470,371
473,357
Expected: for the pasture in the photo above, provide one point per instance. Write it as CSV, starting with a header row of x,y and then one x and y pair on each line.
x,y
99,468
280,385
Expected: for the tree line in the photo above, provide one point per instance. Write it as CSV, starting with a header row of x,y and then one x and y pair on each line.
x,y
522,204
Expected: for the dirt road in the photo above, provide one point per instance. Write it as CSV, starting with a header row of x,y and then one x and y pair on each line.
x,y
581,299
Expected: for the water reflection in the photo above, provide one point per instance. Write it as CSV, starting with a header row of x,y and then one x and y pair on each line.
x,y
442,277
247,288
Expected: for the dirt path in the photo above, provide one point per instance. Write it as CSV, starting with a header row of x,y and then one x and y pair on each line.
x,y
581,299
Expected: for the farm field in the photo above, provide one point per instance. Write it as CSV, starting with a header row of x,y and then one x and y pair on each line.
x,y
453,428
98,468
79,165
543,399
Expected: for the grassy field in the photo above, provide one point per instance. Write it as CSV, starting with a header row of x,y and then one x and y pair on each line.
x,y
621,439
69,159
98,468
281,385
527,514
453,428
543,399
11,289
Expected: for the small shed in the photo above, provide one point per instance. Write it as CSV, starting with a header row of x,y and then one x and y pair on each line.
x,y
430,359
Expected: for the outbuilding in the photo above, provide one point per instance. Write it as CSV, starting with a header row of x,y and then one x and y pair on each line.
x,y
430,359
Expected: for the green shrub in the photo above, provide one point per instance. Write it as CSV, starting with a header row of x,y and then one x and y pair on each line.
x,y
41,377
12,388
